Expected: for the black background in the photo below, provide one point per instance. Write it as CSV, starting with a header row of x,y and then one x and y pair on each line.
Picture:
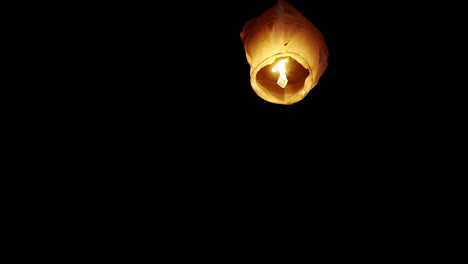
x,y
187,60
172,80
165,126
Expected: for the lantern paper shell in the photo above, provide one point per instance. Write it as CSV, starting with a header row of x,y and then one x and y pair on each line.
x,y
282,32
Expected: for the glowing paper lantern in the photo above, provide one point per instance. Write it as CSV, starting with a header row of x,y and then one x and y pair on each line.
x,y
287,54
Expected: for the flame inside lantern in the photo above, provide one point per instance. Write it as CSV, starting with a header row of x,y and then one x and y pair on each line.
x,y
282,79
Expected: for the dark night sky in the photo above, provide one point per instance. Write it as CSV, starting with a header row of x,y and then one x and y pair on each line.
x,y
147,114
372,89
152,137
201,40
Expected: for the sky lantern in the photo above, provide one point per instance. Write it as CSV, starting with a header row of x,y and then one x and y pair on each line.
x,y
287,54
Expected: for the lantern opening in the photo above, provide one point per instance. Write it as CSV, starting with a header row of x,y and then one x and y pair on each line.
x,y
268,79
